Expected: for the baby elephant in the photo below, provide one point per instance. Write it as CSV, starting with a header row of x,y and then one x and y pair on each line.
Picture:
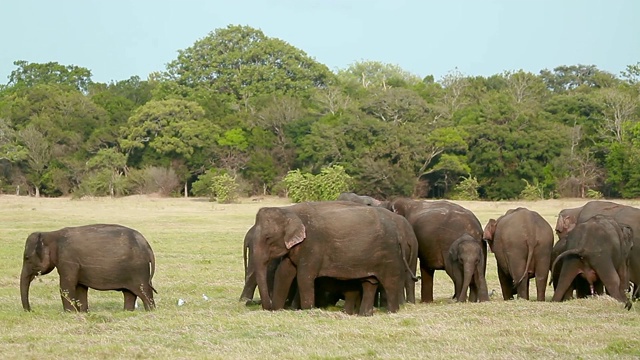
x,y
464,264
101,257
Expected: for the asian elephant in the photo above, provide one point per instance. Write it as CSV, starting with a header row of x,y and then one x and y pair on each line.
x,y
323,239
437,224
623,214
597,249
522,241
360,199
250,276
464,264
100,256
567,219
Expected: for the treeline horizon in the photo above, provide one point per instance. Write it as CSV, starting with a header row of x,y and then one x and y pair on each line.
x,y
241,103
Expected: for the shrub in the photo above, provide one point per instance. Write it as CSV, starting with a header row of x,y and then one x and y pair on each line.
x,y
467,189
217,185
225,188
594,194
532,191
153,180
327,185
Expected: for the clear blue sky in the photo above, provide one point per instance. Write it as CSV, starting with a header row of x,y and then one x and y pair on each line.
x,y
117,39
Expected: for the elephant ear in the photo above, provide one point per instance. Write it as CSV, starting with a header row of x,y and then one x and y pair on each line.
x,y
46,253
569,223
489,230
294,232
627,233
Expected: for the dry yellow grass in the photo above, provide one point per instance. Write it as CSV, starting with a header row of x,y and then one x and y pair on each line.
x,y
198,248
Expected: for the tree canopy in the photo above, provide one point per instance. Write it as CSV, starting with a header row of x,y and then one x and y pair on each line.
x,y
241,105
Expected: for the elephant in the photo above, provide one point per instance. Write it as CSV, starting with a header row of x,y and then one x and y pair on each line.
x,y
99,256
623,214
522,242
322,239
437,224
250,277
360,199
597,249
464,264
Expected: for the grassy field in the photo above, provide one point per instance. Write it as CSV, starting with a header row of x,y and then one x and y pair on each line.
x,y
198,246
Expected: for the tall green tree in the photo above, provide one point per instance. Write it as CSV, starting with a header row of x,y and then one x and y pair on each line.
x,y
242,62
31,74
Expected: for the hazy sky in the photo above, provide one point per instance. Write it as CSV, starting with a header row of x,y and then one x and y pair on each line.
x,y
117,39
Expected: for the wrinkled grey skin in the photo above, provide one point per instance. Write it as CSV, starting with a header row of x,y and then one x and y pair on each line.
x,y
324,240
567,219
522,241
360,199
597,249
623,214
250,282
292,300
100,256
464,264
437,224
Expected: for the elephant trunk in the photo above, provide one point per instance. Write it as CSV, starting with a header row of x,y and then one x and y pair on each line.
x,y
263,288
25,282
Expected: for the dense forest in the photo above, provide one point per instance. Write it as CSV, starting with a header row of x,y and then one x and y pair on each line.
x,y
241,103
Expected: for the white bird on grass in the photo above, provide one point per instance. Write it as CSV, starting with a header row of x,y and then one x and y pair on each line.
x,y
205,297
181,302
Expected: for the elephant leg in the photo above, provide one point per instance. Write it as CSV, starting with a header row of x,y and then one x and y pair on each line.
x,y
505,284
144,292
409,289
541,288
68,284
427,285
480,287
249,289
129,300
570,269
306,286
285,273
523,288
368,295
81,294
457,275
542,276
611,280
351,300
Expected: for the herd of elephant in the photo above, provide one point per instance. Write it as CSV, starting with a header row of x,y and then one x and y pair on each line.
x,y
366,252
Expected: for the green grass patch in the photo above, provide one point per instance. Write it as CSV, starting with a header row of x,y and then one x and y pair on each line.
x,y
198,247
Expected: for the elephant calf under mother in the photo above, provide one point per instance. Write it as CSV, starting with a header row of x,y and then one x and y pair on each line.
x,y
100,256
326,239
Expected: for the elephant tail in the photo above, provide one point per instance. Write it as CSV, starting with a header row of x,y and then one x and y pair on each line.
x,y
406,264
576,252
245,250
152,269
526,266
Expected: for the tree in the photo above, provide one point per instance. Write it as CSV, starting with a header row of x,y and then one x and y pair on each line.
x,y
242,62
171,128
111,163
38,155
565,78
377,75
10,149
31,74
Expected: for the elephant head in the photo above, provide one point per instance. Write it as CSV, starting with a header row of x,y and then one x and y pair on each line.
x,y
565,224
277,230
400,206
40,258
490,231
